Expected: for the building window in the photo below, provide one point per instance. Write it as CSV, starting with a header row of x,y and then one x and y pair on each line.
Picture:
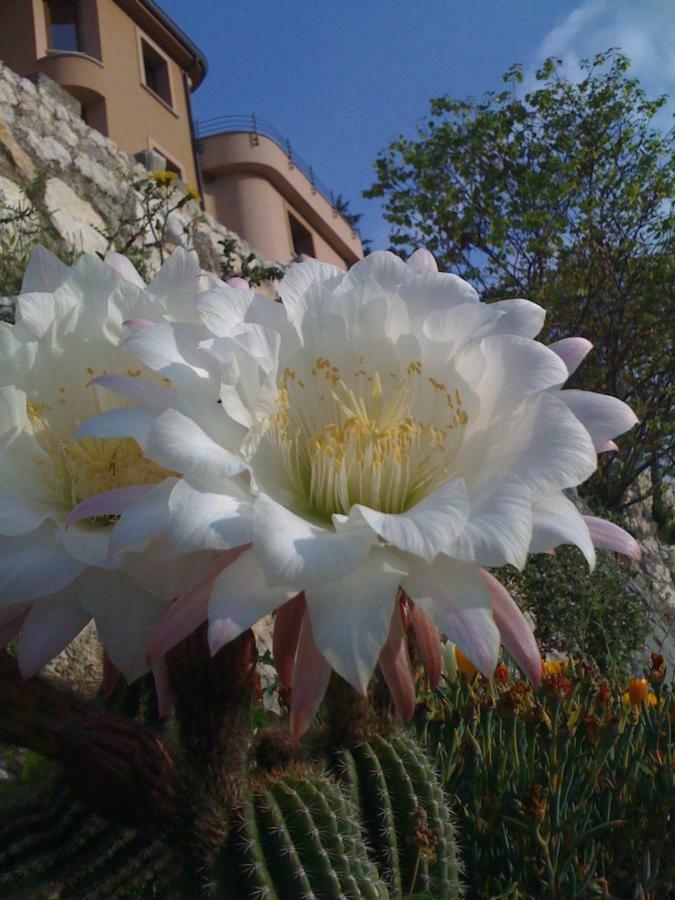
x,y
62,25
156,72
301,238
169,164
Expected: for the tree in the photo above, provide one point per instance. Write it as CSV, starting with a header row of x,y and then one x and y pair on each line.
x,y
564,196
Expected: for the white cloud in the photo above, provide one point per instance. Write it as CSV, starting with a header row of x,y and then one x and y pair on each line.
x,y
643,29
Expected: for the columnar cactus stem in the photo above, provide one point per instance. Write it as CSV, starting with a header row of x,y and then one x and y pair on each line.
x,y
213,697
349,715
33,711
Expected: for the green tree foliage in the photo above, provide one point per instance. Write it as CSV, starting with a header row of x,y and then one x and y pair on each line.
x,y
563,196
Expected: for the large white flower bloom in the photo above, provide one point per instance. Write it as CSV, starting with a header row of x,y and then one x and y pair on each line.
x,y
109,561
365,447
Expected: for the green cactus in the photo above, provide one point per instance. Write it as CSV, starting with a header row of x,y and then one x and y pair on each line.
x,y
294,835
406,816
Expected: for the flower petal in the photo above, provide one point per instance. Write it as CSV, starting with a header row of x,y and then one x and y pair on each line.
x,y
604,417
455,597
556,520
572,351
109,503
201,519
499,527
190,609
143,520
124,267
35,567
160,672
286,636
395,665
293,550
515,632
311,674
51,625
429,527
422,261
10,627
608,536
148,395
179,444
351,616
429,641
239,598
519,317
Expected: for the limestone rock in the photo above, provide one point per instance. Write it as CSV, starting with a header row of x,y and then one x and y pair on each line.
x,y
74,218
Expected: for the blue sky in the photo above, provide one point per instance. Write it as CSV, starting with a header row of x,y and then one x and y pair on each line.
x,y
343,78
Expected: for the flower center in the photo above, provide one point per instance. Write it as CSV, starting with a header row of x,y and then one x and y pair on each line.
x,y
384,441
78,468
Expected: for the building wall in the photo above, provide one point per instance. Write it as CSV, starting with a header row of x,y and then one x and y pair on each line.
x,y
250,185
107,78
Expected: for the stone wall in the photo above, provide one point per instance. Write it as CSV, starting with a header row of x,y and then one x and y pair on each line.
x,y
86,176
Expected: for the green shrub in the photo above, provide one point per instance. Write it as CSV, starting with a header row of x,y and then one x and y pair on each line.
x,y
592,615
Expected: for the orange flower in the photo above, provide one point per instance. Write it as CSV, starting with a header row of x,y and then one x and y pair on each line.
x,y
465,666
501,674
638,693
638,690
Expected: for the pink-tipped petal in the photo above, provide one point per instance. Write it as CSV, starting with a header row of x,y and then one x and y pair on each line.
x,y
111,675
609,447
572,351
395,666
190,609
109,503
550,552
10,629
608,536
429,640
514,629
287,626
137,324
422,261
160,672
237,282
311,674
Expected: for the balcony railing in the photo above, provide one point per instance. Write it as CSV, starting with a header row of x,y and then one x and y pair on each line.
x,y
256,127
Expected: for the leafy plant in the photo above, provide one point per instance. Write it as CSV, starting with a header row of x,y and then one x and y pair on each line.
x,y
563,196
563,791
249,268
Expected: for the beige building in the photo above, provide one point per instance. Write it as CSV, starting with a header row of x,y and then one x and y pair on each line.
x,y
255,184
132,71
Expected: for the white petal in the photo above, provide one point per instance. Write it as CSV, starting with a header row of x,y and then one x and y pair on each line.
x,y
144,520
519,317
297,280
604,417
179,444
422,261
293,550
171,350
34,565
239,598
542,444
124,267
140,391
499,527
429,527
515,368
201,519
556,520
456,598
351,616
52,623
90,544
451,328
44,272
120,422
126,617
223,309
572,351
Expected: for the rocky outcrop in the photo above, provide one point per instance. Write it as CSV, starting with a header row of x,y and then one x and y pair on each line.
x,y
653,579
87,178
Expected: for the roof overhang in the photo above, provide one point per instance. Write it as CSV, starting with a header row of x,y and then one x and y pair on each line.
x,y
162,29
